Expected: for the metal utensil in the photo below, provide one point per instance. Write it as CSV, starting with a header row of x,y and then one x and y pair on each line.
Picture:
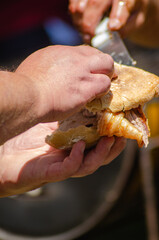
x,y
110,42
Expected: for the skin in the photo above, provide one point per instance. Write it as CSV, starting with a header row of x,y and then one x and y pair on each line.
x,y
27,162
135,19
49,85
53,83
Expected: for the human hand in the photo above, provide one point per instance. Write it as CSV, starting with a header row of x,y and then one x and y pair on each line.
x,y
125,16
27,162
67,78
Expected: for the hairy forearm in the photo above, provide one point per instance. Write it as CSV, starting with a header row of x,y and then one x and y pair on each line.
x,y
18,100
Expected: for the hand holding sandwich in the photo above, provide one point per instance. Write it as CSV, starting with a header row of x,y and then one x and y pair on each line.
x,y
28,162
68,77
51,84
117,113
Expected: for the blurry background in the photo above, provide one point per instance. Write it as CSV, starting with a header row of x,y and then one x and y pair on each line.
x,y
120,200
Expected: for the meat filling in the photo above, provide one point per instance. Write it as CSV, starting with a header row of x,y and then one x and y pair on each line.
x,y
84,117
138,119
89,119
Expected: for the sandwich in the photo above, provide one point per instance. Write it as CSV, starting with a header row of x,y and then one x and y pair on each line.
x,y
117,113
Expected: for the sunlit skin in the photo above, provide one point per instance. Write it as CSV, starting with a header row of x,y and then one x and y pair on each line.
x,y
27,162
49,85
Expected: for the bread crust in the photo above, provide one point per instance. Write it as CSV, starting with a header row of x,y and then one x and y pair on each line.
x,y
132,87
65,139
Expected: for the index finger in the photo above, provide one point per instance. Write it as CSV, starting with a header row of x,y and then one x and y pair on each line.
x,y
73,5
77,6
92,15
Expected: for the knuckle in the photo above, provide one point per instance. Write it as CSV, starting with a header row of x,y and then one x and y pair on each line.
x,y
94,3
104,79
97,58
105,58
110,61
84,48
107,84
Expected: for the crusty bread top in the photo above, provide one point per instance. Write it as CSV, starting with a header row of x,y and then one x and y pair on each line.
x,y
132,87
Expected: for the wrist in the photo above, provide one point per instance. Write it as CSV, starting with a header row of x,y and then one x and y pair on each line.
x,y
43,101
18,104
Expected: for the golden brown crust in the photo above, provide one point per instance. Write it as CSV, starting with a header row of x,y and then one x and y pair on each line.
x,y
132,87
65,139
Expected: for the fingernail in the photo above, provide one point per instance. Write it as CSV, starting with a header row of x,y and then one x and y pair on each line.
x,y
114,24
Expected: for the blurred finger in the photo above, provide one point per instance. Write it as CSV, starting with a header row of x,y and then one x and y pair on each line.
x,y
94,11
76,13
135,21
120,12
81,5
77,6
73,5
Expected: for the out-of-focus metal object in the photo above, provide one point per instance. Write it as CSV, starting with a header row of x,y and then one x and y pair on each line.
x,y
111,43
